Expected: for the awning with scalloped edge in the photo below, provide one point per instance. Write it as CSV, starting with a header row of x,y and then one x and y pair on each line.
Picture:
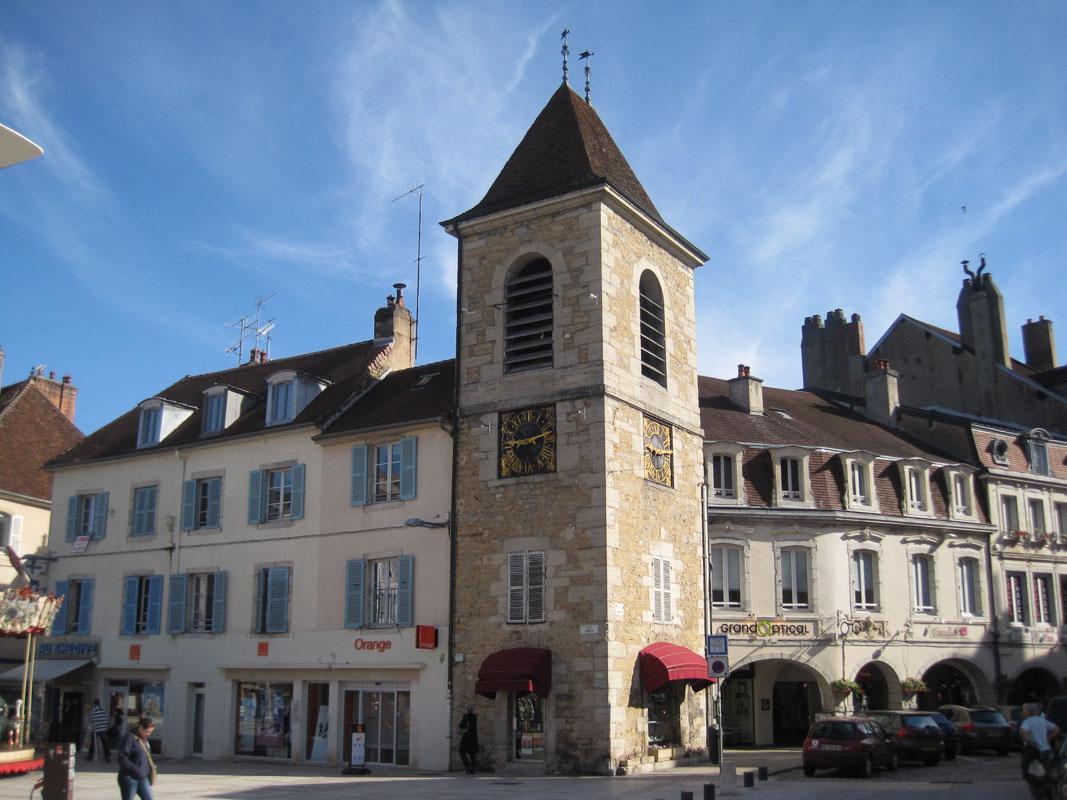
x,y
662,663
518,669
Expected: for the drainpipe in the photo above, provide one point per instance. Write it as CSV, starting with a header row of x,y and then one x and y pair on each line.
x,y
994,620
709,706
452,518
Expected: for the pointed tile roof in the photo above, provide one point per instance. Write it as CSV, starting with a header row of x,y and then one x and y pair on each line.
x,y
567,148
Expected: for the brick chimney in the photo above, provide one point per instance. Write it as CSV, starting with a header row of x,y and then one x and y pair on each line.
x,y
880,389
833,354
257,356
62,393
393,325
980,308
1039,344
746,392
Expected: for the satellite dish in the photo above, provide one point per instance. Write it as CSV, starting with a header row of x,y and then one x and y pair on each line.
x,y
15,148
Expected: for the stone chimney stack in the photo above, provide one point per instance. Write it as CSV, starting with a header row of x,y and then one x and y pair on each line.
x,y
746,392
62,393
980,307
833,354
1039,344
880,389
393,325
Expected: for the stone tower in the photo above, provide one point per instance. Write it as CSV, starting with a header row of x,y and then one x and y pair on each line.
x,y
579,460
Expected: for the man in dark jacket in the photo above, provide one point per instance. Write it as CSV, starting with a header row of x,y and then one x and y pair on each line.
x,y
137,770
468,740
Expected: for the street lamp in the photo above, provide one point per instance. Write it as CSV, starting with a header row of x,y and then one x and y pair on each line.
x,y
418,522
15,148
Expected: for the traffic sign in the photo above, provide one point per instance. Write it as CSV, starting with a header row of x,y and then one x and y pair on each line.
x,y
716,645
719,667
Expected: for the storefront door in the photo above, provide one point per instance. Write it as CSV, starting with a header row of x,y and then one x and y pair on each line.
x,y
318,721
528,726
792,711
385,712
197,700
737,711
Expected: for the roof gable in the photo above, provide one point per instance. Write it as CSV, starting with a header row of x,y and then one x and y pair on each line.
x,y
32,431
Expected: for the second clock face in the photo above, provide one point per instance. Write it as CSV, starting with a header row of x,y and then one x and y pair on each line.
x,y
659,452
528,441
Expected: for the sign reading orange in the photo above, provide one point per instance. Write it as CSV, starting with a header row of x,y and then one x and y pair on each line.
x,y
381,645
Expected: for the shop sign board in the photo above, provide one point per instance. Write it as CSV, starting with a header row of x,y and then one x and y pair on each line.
x,y
357,756
769,628
74,649
948,631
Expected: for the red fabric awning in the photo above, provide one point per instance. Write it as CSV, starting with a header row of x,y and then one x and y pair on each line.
x,y
663,662
520,669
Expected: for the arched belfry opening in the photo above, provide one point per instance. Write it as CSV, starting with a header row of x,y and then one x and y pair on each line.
x,y
528,317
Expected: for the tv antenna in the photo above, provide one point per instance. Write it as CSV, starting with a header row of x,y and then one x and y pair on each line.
x,y
250,326
418,270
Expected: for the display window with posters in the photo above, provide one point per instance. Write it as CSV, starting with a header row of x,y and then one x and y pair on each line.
x,y
263,720
140,698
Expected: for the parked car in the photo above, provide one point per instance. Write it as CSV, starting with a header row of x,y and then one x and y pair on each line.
x,y
981,728
917,734
850,743
949,732
1056,712
1014,716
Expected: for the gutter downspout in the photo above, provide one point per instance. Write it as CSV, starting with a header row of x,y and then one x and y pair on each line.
x,y
709,703
994,619
452,522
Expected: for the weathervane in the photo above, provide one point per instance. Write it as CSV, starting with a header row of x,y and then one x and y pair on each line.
x,y
565,50
585,55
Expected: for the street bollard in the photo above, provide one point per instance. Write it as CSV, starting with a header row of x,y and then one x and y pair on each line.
x,y
728,780
687,796
750,779
709,791
763,773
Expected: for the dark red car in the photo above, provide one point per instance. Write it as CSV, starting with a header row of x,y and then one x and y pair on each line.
x,y
856,744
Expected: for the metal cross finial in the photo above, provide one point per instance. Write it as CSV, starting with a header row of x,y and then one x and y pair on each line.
x,y
565,50
585,55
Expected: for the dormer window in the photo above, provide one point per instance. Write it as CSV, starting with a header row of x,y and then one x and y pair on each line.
x,y
288,393
722,475
722,462
961,491
791,486
158,419
789,475
214,412
998,448
915,477
859,472
1037,446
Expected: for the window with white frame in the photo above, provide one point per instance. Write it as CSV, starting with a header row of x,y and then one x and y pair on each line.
x,y
279,493
1009,513
197,603
865,580
11,531
727,562
722,475
270,609
384,584
859,473
789,475
379,592
76,611
526,586
143,520
662,607
1061,520
917,500
87,515
922,584
795,587
148,428
1037,446
384,472
1063,598
280,403
202,602
1018,605
142,604
387,461
1038,529
214,412
961,494
1043,600
202,503
970,587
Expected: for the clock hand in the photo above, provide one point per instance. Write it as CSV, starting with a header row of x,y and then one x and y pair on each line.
x,y
529,440
660,451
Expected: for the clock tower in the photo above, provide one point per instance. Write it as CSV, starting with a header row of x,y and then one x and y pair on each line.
x,y
578,462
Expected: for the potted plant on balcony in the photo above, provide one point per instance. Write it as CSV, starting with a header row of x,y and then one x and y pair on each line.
x,y
1016,537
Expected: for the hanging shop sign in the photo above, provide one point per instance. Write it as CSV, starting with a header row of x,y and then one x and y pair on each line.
x,y
769,628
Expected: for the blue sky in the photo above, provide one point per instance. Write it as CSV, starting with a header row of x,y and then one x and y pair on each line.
x,y
198,155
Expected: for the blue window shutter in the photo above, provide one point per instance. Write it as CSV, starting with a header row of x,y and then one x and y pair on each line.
x,y
359,475
155,603
214,501
405,573
188,504
138,511
408,459
255,496
72,516
277,600
100,516
150,510
176,604
85,608
218,612
59,624
129,605
258,602
354,571
298,492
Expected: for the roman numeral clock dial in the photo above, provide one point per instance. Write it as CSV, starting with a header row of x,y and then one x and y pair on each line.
x,y
659,452
527,441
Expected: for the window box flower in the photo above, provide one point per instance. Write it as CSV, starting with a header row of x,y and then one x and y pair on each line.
x,y
912,686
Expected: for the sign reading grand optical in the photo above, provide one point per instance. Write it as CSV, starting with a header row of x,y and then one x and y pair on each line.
x,y
769,628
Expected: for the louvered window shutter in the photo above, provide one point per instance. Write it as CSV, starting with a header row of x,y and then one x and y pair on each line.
x,y
359,475
14,539
129,605
277,599
85,607
155,604
100,516
667,610
657,590
72,517
259,602
354,571
516,587
214,501
298,492
408,460
535,587
218,603
59,624
405,587
255,497
176,604
188,505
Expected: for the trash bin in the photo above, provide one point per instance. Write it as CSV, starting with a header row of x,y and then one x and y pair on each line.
x,y
58,772
713,744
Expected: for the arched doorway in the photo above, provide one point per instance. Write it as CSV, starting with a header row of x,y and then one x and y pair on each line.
x,y
1034,685
947,684
872,678
772,701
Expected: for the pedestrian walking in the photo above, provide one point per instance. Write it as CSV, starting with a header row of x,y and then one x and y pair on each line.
x,y
98,731
117,729
468,739
137,770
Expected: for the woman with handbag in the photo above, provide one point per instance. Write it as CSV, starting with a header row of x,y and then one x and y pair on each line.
x,y
137,770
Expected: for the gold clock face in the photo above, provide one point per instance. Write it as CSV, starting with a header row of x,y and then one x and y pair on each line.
x,y
659,452
527,441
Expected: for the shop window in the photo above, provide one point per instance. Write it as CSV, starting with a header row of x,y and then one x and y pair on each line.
x,y
526,587
1043,600
138,699
970,587
1018,602
865,580
379,592
142,604
76,612
795,589
271,605
528,726
664,724
726,576
264,720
